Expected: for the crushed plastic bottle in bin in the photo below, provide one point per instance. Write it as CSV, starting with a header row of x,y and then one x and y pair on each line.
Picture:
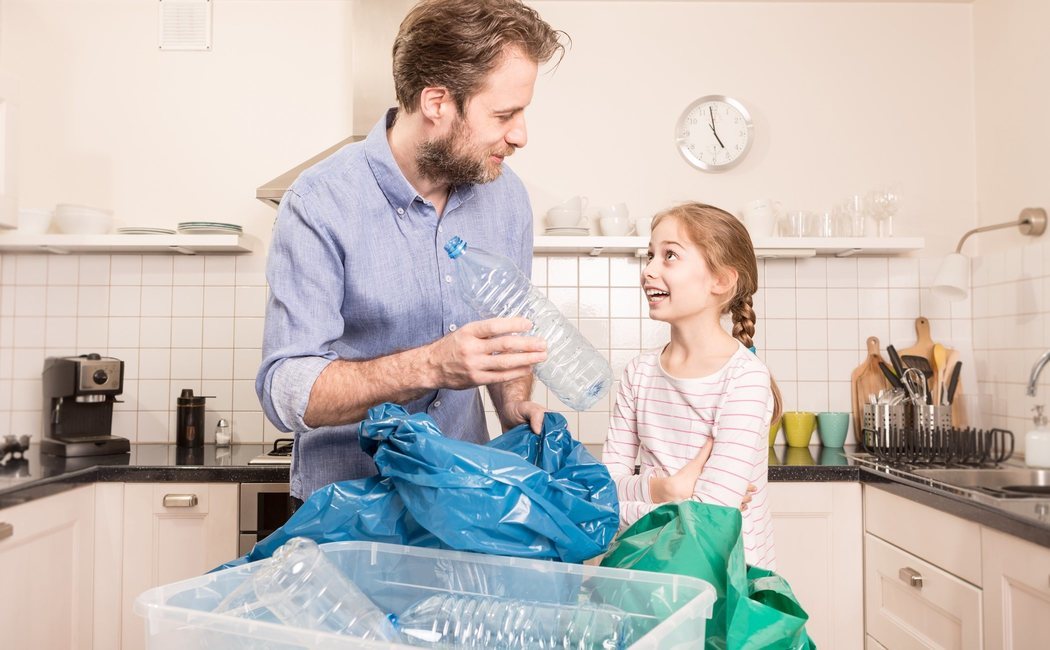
x,y
302,588
574,370
456,621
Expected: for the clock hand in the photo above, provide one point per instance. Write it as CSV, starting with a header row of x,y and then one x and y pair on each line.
x,y
711,112
717,138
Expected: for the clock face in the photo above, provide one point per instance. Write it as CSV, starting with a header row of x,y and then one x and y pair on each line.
x,y
714,133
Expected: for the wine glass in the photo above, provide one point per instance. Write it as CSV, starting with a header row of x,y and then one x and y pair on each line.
x,y
885,202
856,210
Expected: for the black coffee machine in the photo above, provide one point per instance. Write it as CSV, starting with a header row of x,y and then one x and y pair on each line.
x,y
79,393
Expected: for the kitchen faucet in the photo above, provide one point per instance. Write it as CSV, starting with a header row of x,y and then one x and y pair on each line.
x,y
1036,369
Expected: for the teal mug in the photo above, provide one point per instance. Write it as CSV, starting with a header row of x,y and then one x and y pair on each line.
x,y
832,428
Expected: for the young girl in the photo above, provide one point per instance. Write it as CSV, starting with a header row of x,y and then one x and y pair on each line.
x,y
703,387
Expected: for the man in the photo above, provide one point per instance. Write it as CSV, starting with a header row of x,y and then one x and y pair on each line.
x,y
363,307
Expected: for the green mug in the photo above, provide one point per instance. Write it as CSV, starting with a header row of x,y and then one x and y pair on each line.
x,y
798,427
773,429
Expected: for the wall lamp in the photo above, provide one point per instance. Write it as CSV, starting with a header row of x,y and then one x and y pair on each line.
x,y
953,279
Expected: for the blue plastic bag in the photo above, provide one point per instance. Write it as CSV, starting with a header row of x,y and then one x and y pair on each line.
x,y
525,495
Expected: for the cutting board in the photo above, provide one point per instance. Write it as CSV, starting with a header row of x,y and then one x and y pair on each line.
x,y
866,379
923,343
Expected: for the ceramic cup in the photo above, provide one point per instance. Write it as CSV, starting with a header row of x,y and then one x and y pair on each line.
x,y
760,216
615,226
833,428
563,217
798,427
773,430
643,226
577,203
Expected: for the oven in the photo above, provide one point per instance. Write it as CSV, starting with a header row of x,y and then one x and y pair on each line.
x,y
264,508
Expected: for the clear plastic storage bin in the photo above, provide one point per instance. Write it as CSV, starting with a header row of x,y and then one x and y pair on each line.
x,y
661,610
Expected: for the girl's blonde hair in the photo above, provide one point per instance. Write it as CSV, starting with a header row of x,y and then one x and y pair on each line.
x,y
726,245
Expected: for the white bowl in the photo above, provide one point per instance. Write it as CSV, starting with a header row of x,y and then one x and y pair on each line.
x,y
82,220
34,221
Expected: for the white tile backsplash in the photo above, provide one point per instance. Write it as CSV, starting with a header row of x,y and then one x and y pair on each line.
x,y
197,322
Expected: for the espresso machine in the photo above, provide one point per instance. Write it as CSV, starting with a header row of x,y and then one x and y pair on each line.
x,y
79,393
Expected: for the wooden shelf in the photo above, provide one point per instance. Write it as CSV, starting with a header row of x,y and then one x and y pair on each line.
x,y
181,244
768,248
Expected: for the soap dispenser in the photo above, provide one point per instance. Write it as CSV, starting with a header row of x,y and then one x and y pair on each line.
x,y
1037,441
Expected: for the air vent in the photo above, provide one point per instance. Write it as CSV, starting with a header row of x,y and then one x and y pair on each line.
x,y
185,25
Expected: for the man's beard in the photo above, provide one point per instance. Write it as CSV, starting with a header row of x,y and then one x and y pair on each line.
x,y
452,160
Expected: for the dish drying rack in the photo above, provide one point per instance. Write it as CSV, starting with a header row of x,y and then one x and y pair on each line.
x,y
946,446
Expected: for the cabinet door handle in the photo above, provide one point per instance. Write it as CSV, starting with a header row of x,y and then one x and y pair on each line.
x,y
6,530
180,500
911,577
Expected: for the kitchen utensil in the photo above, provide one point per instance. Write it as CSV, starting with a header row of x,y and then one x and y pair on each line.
x,y
895,359
866,379
890,377
953,382
922,364
940,359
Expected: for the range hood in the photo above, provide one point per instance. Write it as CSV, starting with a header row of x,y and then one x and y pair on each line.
x,y
271,193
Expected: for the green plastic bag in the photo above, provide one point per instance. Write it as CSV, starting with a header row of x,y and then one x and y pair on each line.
x,y
756,608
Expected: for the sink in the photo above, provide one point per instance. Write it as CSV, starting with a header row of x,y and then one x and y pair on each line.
x,y
1002,481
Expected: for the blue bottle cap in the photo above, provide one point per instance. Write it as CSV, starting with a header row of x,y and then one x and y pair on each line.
x,y
455,247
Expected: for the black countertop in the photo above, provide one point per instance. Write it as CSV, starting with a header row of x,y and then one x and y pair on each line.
x,y
39,475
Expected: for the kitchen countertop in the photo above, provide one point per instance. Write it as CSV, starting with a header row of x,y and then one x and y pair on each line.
x,y
39,475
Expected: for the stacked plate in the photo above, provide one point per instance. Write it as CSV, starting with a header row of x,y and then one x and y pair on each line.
x,y
144,230
567,231
208,228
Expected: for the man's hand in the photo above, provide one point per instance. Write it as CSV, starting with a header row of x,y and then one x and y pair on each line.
x,y
525,411
479,354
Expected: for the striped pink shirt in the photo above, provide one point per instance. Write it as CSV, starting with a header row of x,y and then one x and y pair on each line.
x,y
660,422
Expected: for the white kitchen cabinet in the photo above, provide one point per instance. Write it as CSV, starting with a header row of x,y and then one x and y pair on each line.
x,y
818,531
47,571
911,603
172,531
1016,592
922,575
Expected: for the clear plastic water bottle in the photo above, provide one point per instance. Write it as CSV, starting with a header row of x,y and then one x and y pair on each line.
x,y
302,588
462,621
574,370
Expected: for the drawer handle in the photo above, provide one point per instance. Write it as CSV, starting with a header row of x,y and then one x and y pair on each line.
x,y
180,500
910,576
6,530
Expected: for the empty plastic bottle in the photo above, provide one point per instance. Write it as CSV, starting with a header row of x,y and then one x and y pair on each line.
x,y
303,589
574,370
462,621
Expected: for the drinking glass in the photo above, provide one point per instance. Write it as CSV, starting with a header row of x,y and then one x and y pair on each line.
x,y
856,210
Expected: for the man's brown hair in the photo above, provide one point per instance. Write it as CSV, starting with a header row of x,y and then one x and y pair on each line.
x,y
455,44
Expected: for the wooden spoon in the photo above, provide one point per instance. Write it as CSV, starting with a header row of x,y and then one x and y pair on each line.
x,y
940,359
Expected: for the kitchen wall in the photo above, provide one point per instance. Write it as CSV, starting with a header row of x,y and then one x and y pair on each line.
x,y
196,322
845,96
1011,295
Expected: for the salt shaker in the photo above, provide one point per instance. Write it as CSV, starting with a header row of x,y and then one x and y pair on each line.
x,y
222,433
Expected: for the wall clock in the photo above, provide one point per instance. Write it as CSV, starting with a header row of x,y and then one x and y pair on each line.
x,y
714,133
